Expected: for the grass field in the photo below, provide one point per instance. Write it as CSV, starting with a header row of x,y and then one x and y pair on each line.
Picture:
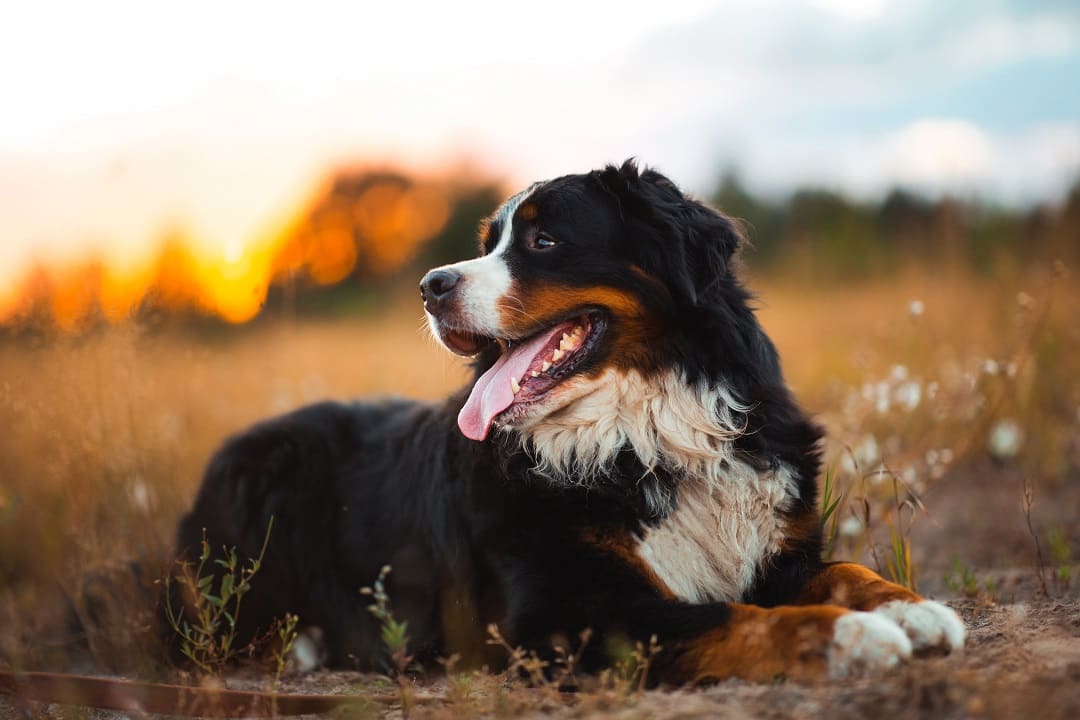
x,y
944,395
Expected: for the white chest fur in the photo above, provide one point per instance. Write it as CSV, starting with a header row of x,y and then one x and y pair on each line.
x,y
727,517
710,547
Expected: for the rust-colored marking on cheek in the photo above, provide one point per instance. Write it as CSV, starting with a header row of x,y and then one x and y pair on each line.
x,y
633,334
852,586
528,307
761,644
622,548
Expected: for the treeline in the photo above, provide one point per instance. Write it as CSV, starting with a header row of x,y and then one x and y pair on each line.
x,y
367,235
821,233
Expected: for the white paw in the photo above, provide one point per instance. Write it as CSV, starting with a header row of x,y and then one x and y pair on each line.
x,y
866,644
929,624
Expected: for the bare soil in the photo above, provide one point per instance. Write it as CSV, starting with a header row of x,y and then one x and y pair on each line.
x,y
1022,660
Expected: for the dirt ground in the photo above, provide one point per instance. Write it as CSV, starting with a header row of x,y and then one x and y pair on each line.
x,y
1022,660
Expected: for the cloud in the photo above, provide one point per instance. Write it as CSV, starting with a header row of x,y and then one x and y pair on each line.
x,y
938,152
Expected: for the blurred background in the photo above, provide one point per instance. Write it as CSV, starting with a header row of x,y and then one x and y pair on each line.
x,y
210,213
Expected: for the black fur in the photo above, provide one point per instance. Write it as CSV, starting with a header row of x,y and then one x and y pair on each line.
x,y
472,534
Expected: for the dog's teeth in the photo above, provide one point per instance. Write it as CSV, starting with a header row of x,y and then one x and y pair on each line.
x,y
545,367
514,385
557,356
534,373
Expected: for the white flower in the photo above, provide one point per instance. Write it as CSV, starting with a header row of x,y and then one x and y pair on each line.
x,y
898,373
908,395
867,453
1006,437
990,367
140,494
916,308
882,402
850,526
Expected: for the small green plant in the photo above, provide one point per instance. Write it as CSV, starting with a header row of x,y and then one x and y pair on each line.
x,y
830,502
286,635
1061,553
961,579
395,636
207,630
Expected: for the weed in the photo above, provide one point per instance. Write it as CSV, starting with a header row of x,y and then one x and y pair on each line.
x,y
633,666
627,675
1040,566
395,636
208,639
961,579
1061,553
520,663
287,634
830,502
898,562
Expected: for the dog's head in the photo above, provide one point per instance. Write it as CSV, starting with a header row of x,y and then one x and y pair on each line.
x,y
584,281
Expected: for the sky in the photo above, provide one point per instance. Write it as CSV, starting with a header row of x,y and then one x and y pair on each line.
x,y
124,120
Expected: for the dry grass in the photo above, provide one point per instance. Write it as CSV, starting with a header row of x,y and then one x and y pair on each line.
x,y
105,436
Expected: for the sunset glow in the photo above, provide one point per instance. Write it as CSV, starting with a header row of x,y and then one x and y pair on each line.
x,y
381,226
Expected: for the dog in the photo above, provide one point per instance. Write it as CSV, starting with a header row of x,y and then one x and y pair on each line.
x,y
627,460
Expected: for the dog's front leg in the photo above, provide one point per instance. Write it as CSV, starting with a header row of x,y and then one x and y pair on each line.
x,y
762,644
930,625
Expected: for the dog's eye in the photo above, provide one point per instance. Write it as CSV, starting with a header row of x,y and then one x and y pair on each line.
x,y
542,242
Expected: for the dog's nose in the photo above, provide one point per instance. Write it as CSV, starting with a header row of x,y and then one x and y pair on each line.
x,y
437,286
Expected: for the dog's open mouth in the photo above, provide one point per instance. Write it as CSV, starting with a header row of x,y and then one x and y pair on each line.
x,y
527,370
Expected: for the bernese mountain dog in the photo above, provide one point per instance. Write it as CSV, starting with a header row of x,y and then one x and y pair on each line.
x,y
627,460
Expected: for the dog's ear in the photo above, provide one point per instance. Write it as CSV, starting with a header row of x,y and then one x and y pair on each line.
x,y
676,237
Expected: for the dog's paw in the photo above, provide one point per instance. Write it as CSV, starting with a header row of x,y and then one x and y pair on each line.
x,y
866,643
931,626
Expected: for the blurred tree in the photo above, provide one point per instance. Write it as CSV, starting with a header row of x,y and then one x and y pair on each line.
x,y
458,238
762,220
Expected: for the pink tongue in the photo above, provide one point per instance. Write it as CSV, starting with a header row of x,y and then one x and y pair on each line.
x,y
492,393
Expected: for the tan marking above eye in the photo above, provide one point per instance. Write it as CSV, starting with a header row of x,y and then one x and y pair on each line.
x,y
528,211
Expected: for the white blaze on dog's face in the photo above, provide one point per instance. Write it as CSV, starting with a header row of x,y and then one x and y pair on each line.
x,y
484,281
